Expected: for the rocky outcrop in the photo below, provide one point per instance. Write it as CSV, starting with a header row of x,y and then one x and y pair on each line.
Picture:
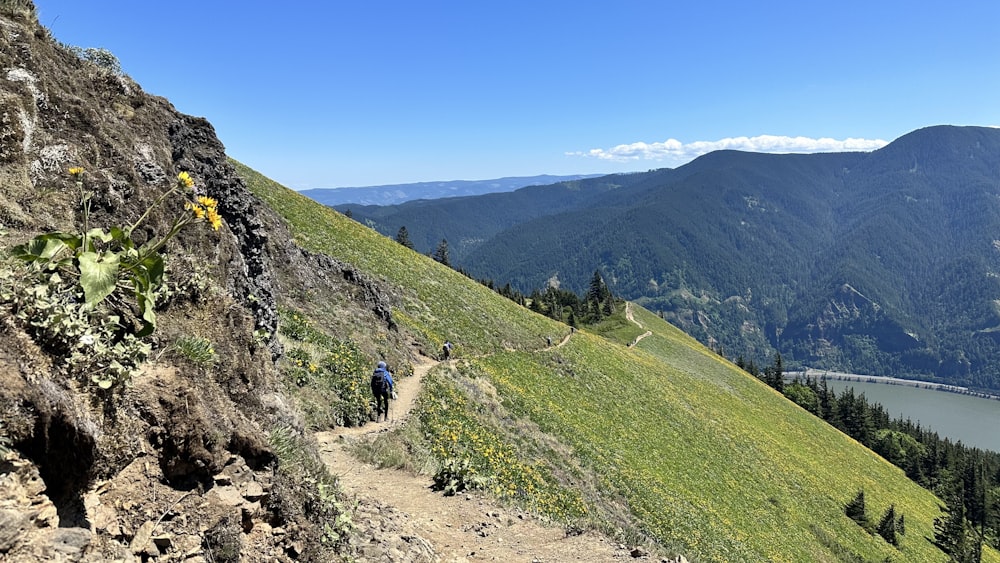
x,y
250,281
177,464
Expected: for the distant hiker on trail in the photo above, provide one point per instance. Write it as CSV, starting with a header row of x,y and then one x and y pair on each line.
x,y
381,387
446,349
548,341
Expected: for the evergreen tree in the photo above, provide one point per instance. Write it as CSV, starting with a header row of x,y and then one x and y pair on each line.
x,y
827,402
887,526
953,534
403,238
598,290
855,510
609,306
974,487
774,374
597,295
778,373
536,301
441,254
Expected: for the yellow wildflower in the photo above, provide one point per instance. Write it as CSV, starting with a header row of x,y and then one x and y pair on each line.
x,y
185,180
199,211
208,202
75,171
214,219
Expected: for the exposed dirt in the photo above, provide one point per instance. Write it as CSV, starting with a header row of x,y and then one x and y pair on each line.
x,y
628,315
465,527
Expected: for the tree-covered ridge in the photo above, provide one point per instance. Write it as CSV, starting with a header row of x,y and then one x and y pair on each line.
x,y
882,263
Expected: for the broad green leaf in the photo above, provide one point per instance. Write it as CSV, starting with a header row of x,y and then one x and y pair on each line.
x,y
98,276
147,328
146,303
154,267
99,234
39,248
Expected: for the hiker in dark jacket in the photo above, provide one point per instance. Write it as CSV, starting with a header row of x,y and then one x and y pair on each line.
x,y
382,387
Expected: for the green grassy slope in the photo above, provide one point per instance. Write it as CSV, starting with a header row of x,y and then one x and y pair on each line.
x,y
436,302
712,463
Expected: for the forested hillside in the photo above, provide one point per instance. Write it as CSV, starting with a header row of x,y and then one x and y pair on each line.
x,y
882,263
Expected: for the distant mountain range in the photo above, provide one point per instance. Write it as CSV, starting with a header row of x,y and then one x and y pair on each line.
x,y
886,263
399,193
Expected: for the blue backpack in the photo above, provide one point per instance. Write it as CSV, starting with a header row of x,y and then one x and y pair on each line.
x,y
379,384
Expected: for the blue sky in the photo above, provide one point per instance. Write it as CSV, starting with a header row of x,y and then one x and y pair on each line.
x,y
337,93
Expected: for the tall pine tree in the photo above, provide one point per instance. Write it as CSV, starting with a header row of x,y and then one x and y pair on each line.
x,y
441,254
403,238
953,533
597,294
887,526
855,510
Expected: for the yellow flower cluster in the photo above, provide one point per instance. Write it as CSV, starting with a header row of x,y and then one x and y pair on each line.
x,y
183,179
206,208
335,369
76,171
455,433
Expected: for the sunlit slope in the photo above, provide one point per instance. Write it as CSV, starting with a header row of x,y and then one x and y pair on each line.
x,y
713,463
434,301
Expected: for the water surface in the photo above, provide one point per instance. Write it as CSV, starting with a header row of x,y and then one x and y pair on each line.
x,y
973,420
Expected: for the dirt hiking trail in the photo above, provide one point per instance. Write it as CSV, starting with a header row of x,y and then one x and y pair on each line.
x,y
410,522
628,315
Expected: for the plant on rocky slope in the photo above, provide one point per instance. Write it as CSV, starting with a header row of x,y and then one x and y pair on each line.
x,y
319,491
90,296
196,348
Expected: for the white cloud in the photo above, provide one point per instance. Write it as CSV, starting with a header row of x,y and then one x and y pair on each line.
x,y
676,152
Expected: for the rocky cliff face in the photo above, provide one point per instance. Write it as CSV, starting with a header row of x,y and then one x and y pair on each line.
x,y
176,464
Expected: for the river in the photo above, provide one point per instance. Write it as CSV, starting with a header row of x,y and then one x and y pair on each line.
x,y
973,420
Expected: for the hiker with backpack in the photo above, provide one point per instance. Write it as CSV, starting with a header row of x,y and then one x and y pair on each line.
x,y
446,349
382,386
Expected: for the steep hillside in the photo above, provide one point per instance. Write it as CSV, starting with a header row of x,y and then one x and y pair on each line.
x,y
878,263
663,440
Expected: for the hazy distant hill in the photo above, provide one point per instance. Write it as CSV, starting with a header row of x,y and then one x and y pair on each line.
x,y
883,262
398,193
